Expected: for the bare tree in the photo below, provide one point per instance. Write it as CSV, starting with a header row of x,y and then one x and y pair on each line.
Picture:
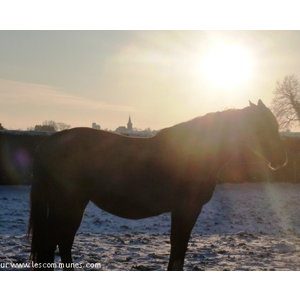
x,y
52,126
286,101
44,127
62,126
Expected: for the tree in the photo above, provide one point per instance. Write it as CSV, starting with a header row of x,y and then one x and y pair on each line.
x,y
1,127
52,126
62,126
47,128
286,101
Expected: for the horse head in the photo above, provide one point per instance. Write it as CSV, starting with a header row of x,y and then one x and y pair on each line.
x,y
262,135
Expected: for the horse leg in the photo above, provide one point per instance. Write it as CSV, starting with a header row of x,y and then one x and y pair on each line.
x,y
46,249
42,227
65,250
45,259
71,223
182,223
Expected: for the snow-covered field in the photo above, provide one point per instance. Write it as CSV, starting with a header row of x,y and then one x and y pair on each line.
x,y
250,226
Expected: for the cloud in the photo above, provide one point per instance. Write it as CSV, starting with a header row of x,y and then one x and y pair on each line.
x,y
24,105
16,93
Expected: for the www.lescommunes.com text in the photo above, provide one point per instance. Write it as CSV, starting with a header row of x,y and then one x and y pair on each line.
x,y
33,265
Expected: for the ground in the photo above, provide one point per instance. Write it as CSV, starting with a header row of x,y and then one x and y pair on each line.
x,y
249,226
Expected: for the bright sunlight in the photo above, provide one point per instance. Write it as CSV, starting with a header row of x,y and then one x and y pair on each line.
x,y
227,66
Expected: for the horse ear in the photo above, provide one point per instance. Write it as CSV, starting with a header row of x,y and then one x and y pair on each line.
x,y
260,104
252,104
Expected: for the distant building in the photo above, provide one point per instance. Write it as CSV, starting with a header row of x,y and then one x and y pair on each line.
x,y
125,130
129,124
134,133
96,126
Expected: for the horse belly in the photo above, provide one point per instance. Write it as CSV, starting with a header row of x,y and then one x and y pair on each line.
x,y
132,205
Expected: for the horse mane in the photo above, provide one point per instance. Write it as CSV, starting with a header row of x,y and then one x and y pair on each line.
x,y
209,122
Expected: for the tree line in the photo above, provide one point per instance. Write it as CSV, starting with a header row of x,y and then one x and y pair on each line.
x,y
48,126
51,126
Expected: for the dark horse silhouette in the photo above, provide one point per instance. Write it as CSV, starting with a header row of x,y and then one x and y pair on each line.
x,y
134,178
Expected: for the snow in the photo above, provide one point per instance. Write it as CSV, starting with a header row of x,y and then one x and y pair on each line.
x,y
249,226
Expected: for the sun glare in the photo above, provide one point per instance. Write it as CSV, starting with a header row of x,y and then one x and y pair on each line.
x,y
227,66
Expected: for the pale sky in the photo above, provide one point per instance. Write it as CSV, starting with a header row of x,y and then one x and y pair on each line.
x,y
160,78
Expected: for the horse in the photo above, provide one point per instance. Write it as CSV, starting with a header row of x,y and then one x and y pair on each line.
x,y
175,171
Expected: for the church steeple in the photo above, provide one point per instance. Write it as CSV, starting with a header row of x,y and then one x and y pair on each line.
x,y
129,124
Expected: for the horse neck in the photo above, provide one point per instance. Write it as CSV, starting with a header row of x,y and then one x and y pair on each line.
x,y
231,129
215,134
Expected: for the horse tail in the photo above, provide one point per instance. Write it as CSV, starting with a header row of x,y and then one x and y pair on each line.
x,y
37,221
39,229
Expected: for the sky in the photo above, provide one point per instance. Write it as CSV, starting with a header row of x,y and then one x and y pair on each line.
x,y
158,77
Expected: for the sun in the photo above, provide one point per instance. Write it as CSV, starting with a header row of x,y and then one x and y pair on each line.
x,y
227,66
